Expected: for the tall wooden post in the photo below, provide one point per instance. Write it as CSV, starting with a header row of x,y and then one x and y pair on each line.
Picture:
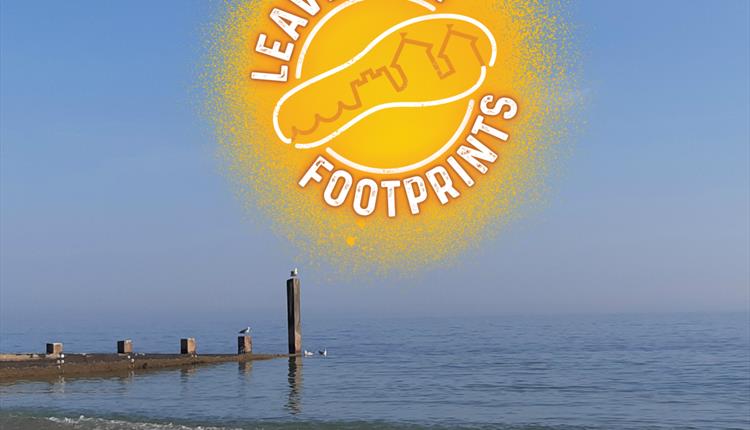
x,y
292,314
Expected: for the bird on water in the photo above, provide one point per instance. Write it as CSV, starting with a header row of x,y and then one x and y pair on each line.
x,y
245,330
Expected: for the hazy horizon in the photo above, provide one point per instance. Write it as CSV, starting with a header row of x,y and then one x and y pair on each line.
x,y
114,202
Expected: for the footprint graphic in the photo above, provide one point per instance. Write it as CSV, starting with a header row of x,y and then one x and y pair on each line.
x,y
425,61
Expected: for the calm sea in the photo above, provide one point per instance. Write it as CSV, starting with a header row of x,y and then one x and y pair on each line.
x,y
563,372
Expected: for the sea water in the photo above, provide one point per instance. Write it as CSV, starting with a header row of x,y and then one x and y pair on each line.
x,y
504,372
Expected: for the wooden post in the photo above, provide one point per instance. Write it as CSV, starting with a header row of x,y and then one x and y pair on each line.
x,y
244,344
124,346
187,346
293,314
54,348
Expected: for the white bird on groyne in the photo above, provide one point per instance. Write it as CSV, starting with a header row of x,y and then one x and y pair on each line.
x,y
245,330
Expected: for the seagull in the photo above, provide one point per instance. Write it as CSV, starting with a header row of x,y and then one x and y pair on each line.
x,y
245,330
324,353
308,353
295,272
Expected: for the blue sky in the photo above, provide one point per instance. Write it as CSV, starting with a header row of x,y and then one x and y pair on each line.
x,y
114,200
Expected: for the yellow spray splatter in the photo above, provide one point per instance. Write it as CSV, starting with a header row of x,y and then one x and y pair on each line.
x,y
534,68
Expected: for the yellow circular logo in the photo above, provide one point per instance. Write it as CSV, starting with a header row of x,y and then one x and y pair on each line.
x,y
387,133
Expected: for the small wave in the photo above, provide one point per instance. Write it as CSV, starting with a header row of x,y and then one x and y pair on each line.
x,y
22,421
27,422
83,422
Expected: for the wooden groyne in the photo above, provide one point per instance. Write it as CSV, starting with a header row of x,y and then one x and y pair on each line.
x,y
55,363
16,367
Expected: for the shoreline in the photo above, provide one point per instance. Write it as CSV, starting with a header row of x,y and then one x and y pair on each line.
x,y
34,367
